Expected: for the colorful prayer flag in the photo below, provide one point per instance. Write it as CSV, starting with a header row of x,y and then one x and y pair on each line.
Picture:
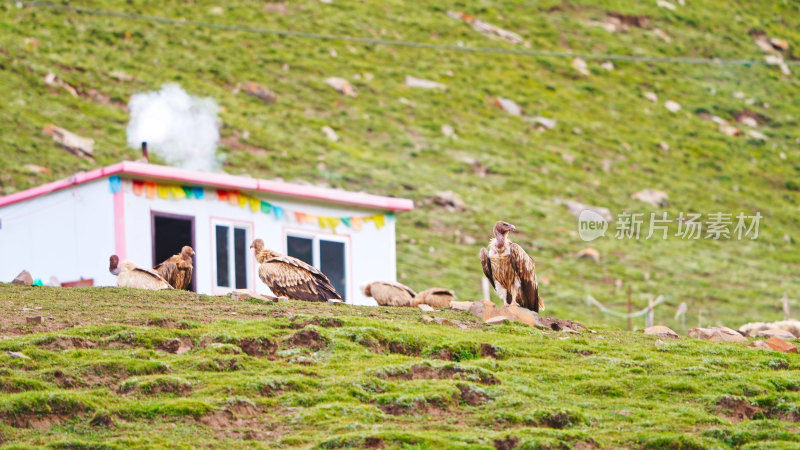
x,y
115,184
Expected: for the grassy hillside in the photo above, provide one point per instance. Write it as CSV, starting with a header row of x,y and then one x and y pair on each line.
x,y
391,140
122,368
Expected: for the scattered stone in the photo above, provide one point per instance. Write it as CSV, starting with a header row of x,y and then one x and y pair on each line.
x,y
461,306
652,196
52,80
580,65
661,331
575,209
608,65
448,131
606,165
589,253
425,308
121,76
18,355
335,301
34,169
672,106
79,146
217,10
341,85
780,345
35,320
556,324
717,334
577,131
775,332
260,92
779,44
524,315
755,134
747,120
498,319
508,106
760,344
330,133
486,28
782,156
666,5
659,342
623,412
424,84
249,294
661,34
449,200
663,146
651,96
730,130
568,158
545,122
752,328
777,60
24,278
427,318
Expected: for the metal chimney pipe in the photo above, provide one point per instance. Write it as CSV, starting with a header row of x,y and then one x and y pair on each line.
x,y
145,155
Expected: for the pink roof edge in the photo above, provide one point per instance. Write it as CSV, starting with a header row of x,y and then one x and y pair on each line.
x,y
220,180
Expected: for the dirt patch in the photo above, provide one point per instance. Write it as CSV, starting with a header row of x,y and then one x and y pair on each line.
x,y
162,323
102,419
472,396
557,324
507,443
35,421
177,345
258,347
737,409
746,113
489,351
66,343
631,21
325,322
221,365
373,442
162,386
309,338
243,408
419,407
425,372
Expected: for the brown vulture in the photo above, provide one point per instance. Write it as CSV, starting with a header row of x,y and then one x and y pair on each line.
x,y
177,269
130,275
510,270
290,277
388,293
435,297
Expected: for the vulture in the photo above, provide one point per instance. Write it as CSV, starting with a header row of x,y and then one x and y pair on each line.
x,y
130,275
177,269
510,270
435,297
387,293
290,277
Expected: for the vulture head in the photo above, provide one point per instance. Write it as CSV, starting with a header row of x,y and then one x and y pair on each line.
x,y
501,230
258,245
113,264
187,252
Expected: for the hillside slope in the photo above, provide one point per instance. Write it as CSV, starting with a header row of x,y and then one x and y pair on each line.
x,y
605,145
122,368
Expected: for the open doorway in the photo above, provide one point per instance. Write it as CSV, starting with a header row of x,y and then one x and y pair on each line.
x,y
170,233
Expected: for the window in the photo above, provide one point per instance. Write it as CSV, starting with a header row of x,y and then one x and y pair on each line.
x,y
326,254
230,248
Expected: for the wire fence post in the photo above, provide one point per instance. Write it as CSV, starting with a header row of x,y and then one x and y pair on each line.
x,y
651,313
630,307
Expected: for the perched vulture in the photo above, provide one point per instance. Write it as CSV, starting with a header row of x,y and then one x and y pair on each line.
x,y
435,297
177,269
510,270
290,277
130,275
387,293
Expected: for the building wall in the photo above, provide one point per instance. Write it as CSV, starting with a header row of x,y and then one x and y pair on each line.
x,y
68,234
371,251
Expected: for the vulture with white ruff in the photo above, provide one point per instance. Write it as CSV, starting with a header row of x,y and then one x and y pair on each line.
x,y
510,270
290,277
388,293
177,269
130,275
435,297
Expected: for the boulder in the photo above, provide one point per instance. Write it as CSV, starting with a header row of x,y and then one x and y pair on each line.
x,y
424,84
498,319
717,334
461,306
652,196
24,278
760,344
35,320
780,345
661,331
425,308
775,332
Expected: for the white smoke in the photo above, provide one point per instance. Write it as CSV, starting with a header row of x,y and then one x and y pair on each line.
x,y
182,129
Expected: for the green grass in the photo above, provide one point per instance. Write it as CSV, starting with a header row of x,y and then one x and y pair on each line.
x,y
100,377
391,141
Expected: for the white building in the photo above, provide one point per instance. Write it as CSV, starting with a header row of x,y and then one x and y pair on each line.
x,y
144,212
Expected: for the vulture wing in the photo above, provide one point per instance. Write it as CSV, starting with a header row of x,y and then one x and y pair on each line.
x,y
168,270
176,271
142,279
487,266
295,279
435,297
525,269
387,293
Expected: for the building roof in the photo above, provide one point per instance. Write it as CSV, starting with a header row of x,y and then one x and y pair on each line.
x,y
216,180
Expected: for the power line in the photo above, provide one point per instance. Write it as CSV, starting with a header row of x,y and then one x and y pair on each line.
x,y
397,43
